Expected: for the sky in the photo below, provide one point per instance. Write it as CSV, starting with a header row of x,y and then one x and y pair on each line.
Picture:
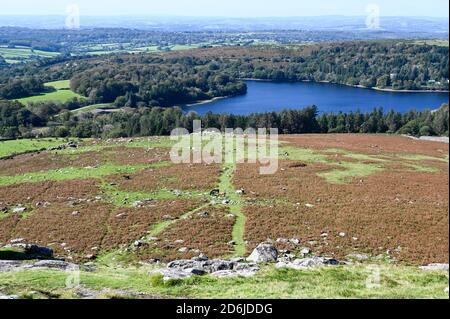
x,y
228,8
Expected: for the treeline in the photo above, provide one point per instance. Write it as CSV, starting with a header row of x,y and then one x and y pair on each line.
x,y
16,122
393,65
135,81
17,88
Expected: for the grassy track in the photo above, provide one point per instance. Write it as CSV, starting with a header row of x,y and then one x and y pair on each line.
x,y
226,186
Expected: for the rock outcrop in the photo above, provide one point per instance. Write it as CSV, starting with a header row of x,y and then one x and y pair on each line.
x,y
181,269
264,253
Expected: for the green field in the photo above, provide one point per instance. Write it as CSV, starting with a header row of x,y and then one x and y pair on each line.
x,y
22,53
62,94
9,148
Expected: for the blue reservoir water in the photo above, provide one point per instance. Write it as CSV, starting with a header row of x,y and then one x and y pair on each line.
x,y
270,96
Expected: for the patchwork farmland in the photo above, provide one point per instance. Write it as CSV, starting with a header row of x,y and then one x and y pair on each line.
x,y
123,202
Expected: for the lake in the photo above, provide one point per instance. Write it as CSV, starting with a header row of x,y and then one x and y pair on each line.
x,y
270,96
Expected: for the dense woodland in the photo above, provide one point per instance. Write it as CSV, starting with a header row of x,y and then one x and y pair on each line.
x,y
16,121
182,77
148,86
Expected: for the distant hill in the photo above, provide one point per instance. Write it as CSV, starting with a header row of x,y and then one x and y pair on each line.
x,y
420,25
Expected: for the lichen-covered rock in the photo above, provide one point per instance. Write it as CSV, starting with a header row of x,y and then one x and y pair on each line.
x,y
264,253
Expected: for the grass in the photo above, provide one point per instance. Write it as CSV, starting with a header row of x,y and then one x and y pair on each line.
x,y
70,173
397,282
358,156
16,147
302,154
152,142
62,94
419,158
226,186
122,198
22,53
349,170
421,168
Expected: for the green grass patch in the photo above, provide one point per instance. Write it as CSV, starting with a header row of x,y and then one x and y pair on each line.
x,y
421,168
59,85
396,282
420,158
16,147
122,198
70,173
21,53
349,170
302,154
62,94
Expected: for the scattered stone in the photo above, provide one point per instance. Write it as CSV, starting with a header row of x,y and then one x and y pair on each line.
x,y
137,204
215,192
90,257
305,251
8,297
323,235
230,216
75,213
232,243
240,191
435,267
138,243
200,257
121,215
342,234
201,265
169,274
203,214
359,257
177,192
294,241
19,210
9,265
168,217
195,271
307,263
179,241
225,202
282,240
183,250
231,273
446,290
264,253
54,264
309,205
17,241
